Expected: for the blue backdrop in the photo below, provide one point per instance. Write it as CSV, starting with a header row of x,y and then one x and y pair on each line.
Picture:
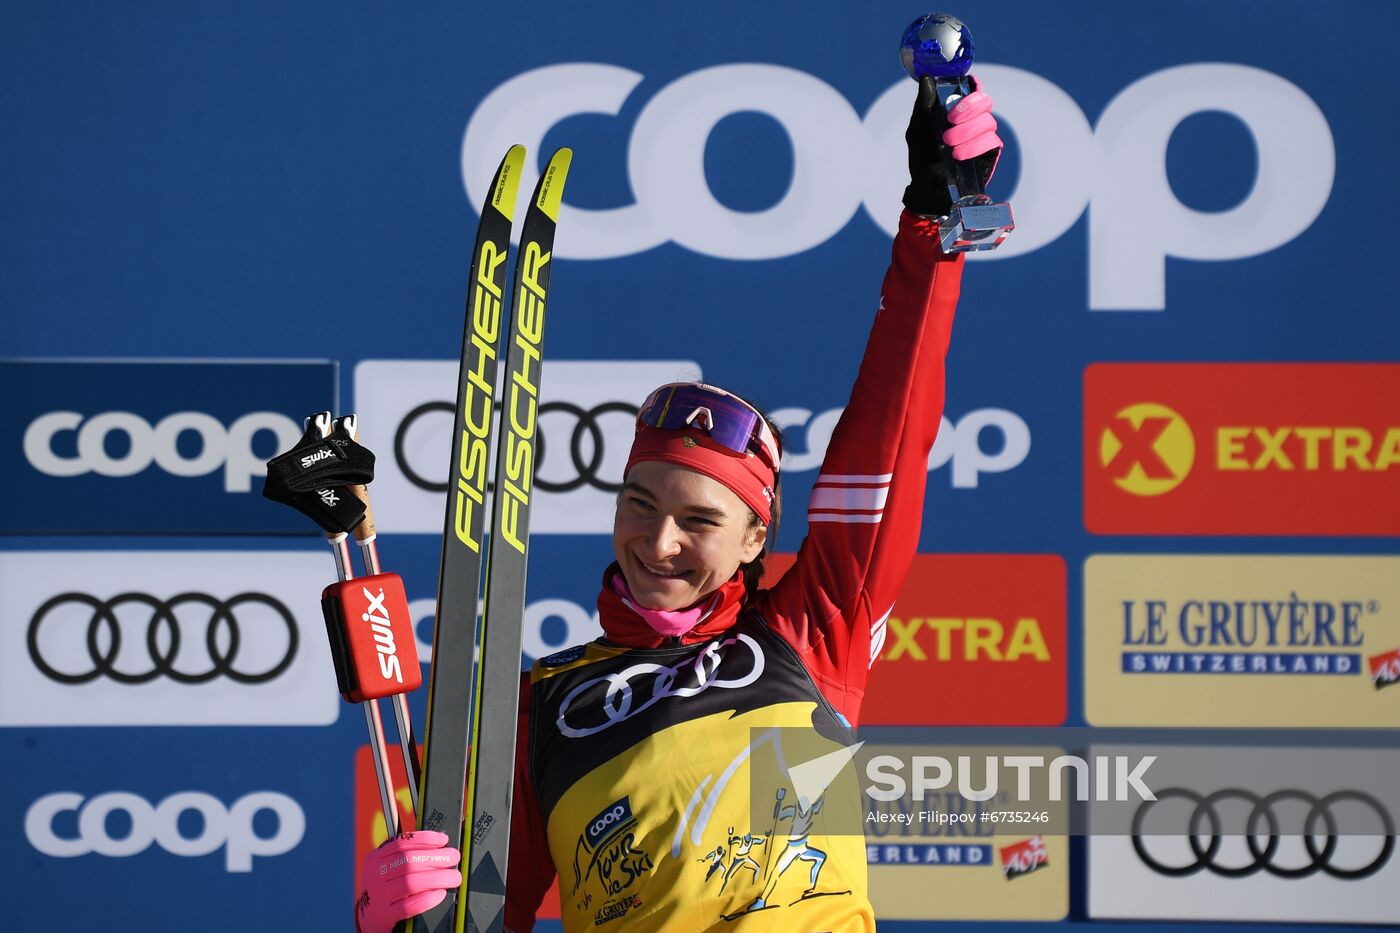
x,y
1194,181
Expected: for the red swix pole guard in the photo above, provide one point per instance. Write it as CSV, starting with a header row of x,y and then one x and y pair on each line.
x,y
371,634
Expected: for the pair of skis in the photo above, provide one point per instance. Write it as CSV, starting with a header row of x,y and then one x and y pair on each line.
x,y
474,711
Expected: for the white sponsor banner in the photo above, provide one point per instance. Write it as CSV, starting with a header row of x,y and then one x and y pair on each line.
x,y
96,638
580,626
587,417
1296,834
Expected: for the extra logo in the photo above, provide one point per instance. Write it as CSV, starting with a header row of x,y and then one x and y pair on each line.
x,y
987,631
844,159
163,638
1242,449
229,828
586,420
1147,449
111,432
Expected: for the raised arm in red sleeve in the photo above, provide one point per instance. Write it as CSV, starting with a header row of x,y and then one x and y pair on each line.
x,y
866,508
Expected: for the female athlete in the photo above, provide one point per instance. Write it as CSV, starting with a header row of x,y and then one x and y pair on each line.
x,y
636,766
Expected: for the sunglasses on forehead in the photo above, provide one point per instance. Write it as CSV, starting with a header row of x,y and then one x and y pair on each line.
x,y
730,421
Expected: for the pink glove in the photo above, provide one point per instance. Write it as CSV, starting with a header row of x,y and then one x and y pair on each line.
x,y
974,130
408,874
968,130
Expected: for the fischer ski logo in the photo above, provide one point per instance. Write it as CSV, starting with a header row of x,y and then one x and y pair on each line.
x,y
652,683
524,392
378,618
308,462
475,404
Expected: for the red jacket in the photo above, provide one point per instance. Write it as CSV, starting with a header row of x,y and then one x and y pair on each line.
x,y
864,519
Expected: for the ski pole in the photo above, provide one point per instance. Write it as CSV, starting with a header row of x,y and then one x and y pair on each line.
x,y
365,536
378,748
344,570
367,620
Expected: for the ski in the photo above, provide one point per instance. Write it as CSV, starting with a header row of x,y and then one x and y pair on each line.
x,y
495,705
448,724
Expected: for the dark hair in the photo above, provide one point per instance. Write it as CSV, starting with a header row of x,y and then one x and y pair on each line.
x,y
753,570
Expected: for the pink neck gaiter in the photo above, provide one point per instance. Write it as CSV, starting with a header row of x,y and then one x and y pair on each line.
x,y
668,623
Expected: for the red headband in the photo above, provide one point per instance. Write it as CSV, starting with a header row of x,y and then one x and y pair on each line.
x,y
747,476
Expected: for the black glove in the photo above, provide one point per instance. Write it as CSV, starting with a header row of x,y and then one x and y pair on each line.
x,y
315,475
928,159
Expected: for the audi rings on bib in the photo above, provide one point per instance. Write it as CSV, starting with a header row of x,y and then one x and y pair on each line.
x,y
585,466
1264,820
617,703
163,617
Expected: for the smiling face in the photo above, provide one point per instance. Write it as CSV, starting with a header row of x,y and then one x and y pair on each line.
x,y
679,535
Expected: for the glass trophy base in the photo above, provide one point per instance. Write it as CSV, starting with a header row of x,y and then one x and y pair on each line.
x,y
972,227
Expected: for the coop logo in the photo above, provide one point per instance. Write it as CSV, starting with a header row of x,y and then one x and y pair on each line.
x,y
614,816
981,443
571,623
988,629
228,450
67,825
586,419
843,161
111,432
1147,449
1305,449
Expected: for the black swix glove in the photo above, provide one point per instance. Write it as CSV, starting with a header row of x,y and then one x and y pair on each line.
x,y
314,476
929,158
319,460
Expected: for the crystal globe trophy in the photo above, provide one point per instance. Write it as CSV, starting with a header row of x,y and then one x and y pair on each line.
x,y
940,45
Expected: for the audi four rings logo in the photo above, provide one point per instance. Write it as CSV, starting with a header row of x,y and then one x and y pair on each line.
x,y
585,445
164,634
1261,832
641,686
